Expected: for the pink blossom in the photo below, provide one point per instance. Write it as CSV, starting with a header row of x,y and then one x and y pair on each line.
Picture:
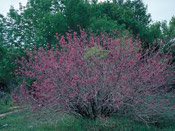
x,y
121,81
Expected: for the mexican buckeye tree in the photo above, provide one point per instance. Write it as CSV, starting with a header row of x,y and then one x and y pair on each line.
x,y
97,76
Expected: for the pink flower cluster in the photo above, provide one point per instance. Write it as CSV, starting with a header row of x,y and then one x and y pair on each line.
x,y
124,81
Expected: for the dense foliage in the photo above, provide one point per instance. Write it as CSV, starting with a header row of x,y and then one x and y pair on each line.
x,y
39,21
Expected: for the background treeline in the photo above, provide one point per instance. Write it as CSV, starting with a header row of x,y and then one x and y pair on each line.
x,y
39,21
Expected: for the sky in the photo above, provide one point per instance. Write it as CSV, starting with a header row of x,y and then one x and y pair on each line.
x,y
5,5
160,9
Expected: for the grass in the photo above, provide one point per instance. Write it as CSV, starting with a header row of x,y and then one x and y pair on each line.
x,y
5,105
24,121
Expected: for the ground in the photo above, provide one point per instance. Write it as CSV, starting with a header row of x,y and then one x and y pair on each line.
x,y
13,118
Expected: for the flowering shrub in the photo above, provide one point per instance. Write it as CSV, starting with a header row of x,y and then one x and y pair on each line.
x,y
97,76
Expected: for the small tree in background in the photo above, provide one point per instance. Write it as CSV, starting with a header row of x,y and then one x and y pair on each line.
x,y
97,76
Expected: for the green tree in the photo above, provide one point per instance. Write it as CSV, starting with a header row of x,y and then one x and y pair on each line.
x,y
168,35
37,23
102,25
77,13
140,11
172,27
8,56
2,30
